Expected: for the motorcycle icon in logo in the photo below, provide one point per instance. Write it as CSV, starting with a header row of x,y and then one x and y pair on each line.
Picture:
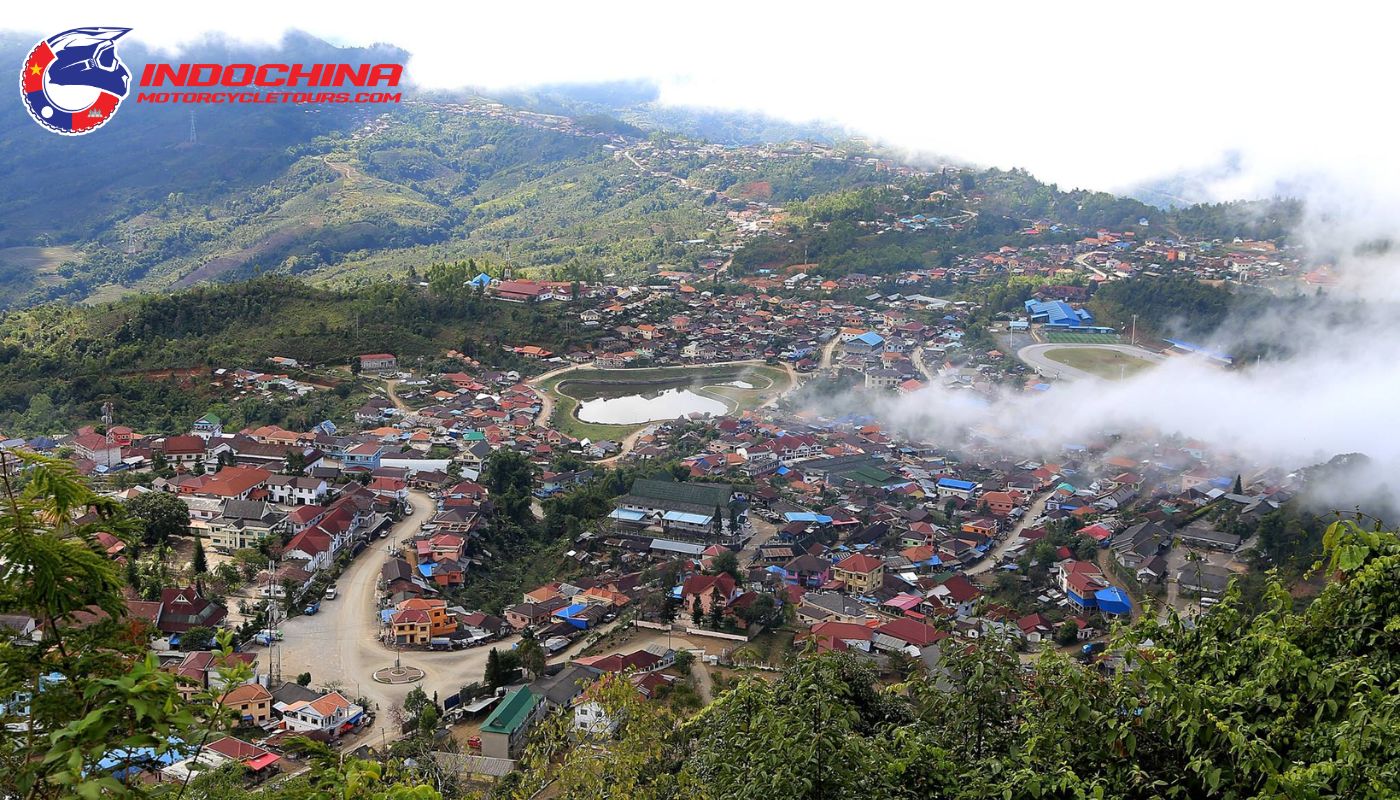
x,y
73,82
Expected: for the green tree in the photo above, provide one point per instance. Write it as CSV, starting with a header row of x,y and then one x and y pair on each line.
x,y
1067,633
304,679
199,563
509,477
532,655
415,701
112,693
684,660
296,462
763,611
160,514
197,638
502,667
725,562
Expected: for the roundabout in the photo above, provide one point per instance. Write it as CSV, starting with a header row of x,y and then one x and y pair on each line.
x,y
398,674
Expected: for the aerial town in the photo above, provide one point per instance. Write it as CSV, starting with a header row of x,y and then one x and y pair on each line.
x,y
749,524
506,403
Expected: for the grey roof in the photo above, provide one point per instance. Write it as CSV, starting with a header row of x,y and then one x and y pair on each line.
x,y
558,690
671,546
475,765
1204,577
290,692
1143,538
1204,533
251,511
835,603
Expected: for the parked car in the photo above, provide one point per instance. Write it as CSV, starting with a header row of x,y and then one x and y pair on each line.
x,y
330,592
312,609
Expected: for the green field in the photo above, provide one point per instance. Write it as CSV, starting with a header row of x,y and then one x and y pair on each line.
x,y
1109,364
1060,337
768,381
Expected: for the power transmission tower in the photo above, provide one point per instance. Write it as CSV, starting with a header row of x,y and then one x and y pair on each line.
x,y
194,138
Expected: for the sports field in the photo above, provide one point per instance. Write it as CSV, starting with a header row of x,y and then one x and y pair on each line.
x,y
1060,337
1109,364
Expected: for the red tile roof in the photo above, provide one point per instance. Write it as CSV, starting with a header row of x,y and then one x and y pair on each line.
x,y
860,563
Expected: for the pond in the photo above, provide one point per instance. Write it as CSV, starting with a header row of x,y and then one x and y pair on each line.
x,y
631,409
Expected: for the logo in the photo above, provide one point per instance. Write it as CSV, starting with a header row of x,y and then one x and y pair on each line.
x,y
73,82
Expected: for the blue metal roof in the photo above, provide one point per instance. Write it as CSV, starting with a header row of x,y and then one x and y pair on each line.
x,y
571,610
1058,312
806,516
954,483
871,338
690,519
1113,601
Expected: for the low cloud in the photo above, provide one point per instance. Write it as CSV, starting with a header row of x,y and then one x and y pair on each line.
x,y
1332,390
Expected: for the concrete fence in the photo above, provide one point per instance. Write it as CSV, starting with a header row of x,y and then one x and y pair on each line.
x,y
733,637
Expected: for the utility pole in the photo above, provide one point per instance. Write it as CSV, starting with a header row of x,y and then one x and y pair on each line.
x,y
1135,330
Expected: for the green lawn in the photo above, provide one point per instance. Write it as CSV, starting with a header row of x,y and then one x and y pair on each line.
x,y
1109,364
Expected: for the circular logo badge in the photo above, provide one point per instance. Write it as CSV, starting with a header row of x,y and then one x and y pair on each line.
x,y
73,82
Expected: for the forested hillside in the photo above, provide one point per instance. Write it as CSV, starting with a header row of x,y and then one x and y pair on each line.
x,y
58,364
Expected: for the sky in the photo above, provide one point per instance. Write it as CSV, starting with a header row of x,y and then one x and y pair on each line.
x,y
1091,94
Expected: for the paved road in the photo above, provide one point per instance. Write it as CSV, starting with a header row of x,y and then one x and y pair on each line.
x,y
1028,519
922,367
546,399
1034,355
829,351
1083,260
340,645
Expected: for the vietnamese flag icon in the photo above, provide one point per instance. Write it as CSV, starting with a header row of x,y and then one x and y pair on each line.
x,y
39,61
